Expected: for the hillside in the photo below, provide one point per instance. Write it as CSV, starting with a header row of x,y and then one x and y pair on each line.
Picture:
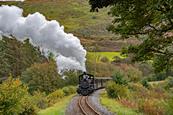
x,y
76,17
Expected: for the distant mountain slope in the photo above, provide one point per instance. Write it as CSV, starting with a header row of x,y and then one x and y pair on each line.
x,y
76,17
73,14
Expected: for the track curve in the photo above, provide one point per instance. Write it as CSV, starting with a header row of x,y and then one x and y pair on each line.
x,y
86,107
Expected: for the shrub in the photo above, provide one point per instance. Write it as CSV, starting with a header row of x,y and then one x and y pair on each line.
x,y
42,77
134,74
94,17
126,73
115,90
71,78
99,69
145,83
104,59
53,97
160,76
29,107
169,82
169,107
131,73
150,78
15,99
118,78
137,87
128,103
40,100
69,90
150,107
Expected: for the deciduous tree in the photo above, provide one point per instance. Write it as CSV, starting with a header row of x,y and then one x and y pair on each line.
x,y
151,21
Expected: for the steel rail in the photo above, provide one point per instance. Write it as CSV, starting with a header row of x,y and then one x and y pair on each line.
x,y
87,102
82,108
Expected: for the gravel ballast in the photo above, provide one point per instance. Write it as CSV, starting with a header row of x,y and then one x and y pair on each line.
x,y
73,109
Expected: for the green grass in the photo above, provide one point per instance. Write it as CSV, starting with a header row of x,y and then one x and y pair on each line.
x,y
58,108
98,55
115,107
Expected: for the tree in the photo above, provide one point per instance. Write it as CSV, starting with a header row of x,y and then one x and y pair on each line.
x,y
16,56
15,99
151,21
71,78
42,77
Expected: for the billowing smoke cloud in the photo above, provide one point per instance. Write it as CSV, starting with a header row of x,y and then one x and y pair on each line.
x,y
48,35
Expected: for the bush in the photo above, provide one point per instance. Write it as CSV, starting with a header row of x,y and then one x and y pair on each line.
x,y
115,90
104,59
169,107
150,78
99,69
53,97
131,73
42,77
134,74
150,107
118,78
72,78
15,99
94,17
169,82
145,83
60,93
126,73
69,90
137,87
40,100
29,107
160,76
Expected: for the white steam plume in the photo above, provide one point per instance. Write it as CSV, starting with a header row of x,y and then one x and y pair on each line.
x,y
48,35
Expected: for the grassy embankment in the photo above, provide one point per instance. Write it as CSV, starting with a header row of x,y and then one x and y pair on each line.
x,y
58,108
115,107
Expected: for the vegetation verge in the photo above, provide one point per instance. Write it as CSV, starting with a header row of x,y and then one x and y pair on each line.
x,y
58,108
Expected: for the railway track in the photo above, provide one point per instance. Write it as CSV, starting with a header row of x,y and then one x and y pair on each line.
x,y
85,106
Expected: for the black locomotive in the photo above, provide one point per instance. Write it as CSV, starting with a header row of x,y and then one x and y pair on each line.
x,y
86,84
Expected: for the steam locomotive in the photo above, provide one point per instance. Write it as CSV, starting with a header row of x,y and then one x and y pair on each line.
x,y
86,84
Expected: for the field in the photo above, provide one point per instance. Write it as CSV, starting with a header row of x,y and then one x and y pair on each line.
x,y
58,108
98,55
